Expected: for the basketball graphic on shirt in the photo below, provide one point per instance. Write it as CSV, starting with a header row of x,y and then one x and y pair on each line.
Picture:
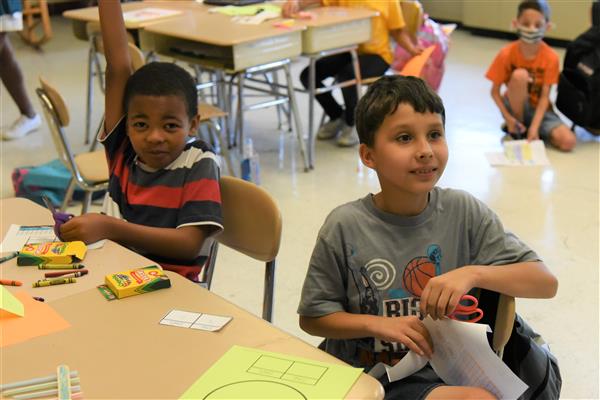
x,y
416,275
381,272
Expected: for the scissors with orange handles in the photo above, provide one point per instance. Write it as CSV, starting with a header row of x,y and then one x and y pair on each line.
x,y
469,312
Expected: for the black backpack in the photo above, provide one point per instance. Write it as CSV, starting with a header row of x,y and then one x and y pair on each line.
x,y
525,354
579,83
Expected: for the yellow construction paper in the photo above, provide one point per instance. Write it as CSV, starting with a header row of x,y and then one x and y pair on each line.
x,y
10,303
244,373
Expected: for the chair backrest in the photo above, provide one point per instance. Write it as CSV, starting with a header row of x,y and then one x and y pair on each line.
x,y
252,226
499,314
93,33
57,116
412,11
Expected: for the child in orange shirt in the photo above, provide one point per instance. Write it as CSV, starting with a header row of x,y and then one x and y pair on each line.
x,y
529,67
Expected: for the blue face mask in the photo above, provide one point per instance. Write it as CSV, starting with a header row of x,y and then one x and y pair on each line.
x,y
529,35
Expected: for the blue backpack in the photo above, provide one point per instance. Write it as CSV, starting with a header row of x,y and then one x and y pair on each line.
x,y
50,180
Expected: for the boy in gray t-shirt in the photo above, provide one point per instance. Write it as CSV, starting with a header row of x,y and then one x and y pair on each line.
x,y
411,250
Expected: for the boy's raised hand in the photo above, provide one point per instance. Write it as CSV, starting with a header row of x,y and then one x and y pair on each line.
x,y
290,8
409,331
88,228
442,293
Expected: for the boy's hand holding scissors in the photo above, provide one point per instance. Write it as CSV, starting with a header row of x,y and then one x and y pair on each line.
x,y
88,227
442,295
58,216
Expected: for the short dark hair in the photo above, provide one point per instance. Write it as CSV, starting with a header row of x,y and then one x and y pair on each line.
x,y
537,5
596,14
383,98
163,79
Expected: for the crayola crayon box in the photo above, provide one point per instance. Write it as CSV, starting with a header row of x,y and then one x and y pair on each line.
x,y
137,281
52,253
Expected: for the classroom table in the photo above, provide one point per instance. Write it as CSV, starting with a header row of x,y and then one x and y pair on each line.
x,y
111,257
119,348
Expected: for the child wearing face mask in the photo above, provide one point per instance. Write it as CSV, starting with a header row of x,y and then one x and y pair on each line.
x,y
528,68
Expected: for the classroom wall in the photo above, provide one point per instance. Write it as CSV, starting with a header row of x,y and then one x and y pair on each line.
x,y
570,17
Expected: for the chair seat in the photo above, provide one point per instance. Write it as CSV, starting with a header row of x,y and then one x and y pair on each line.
x,y
208,111
93,166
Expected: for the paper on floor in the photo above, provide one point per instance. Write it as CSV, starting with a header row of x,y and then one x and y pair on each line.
x,y
520,153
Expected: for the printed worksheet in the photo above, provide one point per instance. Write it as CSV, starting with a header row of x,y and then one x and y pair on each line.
x,y
462,357
195,320
520,153
20,235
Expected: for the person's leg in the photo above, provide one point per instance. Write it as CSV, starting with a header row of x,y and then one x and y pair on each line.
x,y
459,393
371,65
11,76
325,68
516,92
555,132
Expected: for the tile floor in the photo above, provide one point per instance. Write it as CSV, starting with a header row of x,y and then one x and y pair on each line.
x,y
554,209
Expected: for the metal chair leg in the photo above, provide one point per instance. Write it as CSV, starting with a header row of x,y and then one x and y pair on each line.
x,y
68,194
268,295
87,201
297,122
90,92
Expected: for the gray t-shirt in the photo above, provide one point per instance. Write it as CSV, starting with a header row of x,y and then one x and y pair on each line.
x,y
367,261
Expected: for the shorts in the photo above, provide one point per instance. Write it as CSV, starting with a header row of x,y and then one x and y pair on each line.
x,y
550,120
414,387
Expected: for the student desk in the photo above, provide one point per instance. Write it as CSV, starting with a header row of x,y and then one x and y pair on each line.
x,y
110,258
119,348
333,30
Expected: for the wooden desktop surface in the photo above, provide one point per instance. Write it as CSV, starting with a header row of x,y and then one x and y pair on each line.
x,y
90,14
324,16
119,348
110,258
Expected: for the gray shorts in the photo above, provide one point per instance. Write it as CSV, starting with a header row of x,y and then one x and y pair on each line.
x,y
414,387
550,120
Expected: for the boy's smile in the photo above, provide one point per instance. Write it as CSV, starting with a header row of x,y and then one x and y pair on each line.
x,y
158,128
409,154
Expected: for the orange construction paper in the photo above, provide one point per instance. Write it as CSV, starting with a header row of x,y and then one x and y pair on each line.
x,y
40,319
415,65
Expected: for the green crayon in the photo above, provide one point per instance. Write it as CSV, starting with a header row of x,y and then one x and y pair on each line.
x,y
51,282
61,266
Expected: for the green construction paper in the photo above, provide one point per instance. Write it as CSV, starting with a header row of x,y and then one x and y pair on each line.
x,y
10,303
244,373
246,10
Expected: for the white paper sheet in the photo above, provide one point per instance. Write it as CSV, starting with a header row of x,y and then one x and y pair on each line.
x,y
195,320
520,153
461,357
19,235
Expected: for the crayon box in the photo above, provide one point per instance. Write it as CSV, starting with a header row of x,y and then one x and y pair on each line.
x,y
51,253
137,281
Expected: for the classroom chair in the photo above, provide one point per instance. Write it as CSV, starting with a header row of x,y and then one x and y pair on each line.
x,y
252,226
89,171
499,314
35,15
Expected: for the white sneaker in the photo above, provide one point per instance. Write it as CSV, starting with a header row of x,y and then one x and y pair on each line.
x,y
22,126
348,137
330,129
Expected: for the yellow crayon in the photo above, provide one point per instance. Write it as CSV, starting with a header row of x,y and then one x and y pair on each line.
x,y
51,282
61,266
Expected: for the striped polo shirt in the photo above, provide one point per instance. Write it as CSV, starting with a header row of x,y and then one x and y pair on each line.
x,y
184,193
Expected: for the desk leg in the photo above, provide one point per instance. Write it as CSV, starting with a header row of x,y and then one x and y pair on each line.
x,y
356,67
297,122
311,111
239,117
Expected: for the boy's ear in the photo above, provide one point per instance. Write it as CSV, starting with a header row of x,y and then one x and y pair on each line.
x,y
194,124
366,156
550,26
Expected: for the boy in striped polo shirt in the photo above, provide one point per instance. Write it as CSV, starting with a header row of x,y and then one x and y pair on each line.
x,y
163,198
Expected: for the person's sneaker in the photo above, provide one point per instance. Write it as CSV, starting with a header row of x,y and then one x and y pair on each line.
x,y
21,127
330,129
348,137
